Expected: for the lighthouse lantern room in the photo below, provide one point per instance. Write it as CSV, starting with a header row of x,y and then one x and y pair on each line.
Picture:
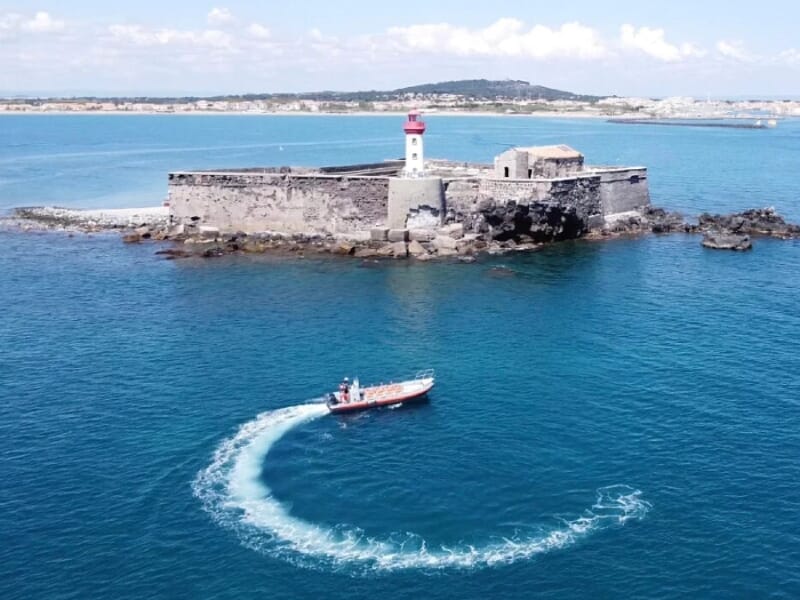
x,y
415,161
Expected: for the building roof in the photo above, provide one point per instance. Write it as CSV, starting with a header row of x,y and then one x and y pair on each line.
x,y
560,151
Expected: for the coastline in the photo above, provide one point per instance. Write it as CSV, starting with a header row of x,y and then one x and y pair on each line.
x,y
393,114
450,242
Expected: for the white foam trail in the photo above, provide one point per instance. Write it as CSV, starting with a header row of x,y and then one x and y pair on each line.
x,y
231,490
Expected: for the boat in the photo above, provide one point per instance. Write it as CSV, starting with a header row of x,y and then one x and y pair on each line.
x,y
351,397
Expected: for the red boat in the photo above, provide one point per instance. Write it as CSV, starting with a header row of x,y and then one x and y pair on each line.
x,y
351,397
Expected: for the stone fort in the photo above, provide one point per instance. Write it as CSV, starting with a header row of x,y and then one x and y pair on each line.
x,y
410,194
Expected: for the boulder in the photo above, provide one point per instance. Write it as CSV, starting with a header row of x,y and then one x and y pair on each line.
x,y
398,235
441,242
400,250
446,252
132,238
143,232
422,235
727,241
379,234
344,248
366,252
416,249
455,231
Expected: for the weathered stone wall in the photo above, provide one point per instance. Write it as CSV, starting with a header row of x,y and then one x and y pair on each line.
x,y
266,201
582,193
347,201
416,203
623,190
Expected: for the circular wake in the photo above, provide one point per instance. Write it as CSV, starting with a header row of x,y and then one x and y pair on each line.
x,y
231,490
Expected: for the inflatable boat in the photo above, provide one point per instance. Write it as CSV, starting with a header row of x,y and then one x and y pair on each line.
x,y
351,397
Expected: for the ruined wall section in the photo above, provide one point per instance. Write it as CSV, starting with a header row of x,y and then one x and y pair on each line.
x,y
254,202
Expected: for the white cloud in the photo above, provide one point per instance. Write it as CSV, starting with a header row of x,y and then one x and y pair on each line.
x,y
653,42
505,37
259,31
733,50
790,56
140,36
219,17
42,22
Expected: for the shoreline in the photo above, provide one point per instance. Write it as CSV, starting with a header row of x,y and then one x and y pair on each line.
x,y
453,241
393,114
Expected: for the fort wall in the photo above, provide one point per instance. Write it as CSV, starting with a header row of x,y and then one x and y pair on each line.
x,y
355,199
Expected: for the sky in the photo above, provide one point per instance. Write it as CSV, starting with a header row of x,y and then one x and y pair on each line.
x,y
716,49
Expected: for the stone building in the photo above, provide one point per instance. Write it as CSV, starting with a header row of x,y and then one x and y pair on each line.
x,y
351,200
538,162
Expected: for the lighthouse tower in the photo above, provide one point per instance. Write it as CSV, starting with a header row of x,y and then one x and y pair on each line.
x,y
415,161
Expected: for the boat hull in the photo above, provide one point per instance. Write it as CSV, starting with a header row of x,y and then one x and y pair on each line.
x,y
384,395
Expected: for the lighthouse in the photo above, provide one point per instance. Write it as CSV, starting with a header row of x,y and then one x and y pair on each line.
x,y
415,161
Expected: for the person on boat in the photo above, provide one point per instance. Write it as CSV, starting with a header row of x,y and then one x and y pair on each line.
x,y
344,390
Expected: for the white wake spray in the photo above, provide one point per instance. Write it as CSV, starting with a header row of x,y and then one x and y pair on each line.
x,y
231,490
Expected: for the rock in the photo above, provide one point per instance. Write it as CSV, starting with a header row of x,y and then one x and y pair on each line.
x,y
398,235
132,238
394,250
421,235
400,250
174,253
446,252
467,259
757,221
214,252
727,241
143,232
379,234
416,249
366,252
455,231
441,242
344,248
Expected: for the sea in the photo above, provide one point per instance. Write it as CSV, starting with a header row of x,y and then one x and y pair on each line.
x,y
615,419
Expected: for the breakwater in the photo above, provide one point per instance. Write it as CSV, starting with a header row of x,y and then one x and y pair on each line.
x,y
690,123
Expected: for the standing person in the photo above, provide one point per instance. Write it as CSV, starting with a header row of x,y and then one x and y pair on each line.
x,y
344,390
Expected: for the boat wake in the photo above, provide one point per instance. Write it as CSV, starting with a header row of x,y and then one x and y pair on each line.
x,y
232,492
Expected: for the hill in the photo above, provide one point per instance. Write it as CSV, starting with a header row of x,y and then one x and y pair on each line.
x,y
484,89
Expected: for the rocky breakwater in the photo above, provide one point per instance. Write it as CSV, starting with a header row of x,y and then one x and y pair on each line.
x,y
154,218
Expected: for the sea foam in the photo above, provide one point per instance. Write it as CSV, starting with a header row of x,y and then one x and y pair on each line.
x,y
233,493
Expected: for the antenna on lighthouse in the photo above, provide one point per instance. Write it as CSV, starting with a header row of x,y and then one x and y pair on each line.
x,y
415,158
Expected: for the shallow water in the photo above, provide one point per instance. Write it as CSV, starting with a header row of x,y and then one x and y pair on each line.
x,y
609,419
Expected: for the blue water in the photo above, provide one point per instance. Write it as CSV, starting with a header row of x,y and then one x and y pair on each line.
x,y
610,419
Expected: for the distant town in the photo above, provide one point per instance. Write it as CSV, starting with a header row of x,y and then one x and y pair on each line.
x,y
508,97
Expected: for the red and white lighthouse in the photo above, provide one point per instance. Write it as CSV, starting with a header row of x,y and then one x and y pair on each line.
x,y
415,161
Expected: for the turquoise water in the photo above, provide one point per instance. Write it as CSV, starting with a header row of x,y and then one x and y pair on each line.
x,y
610,419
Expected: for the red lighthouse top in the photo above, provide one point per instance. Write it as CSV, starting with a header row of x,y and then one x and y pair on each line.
x,y
414,125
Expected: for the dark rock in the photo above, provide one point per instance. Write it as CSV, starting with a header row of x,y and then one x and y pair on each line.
x,y
132,238
214,252
534,222
761,221
727,241
174,253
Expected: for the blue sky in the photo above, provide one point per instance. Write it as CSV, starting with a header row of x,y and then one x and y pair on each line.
x,y
723,49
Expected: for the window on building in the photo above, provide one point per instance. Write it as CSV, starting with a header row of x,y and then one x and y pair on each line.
x,y
506,172
634,179
530,173
414,156
413,141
